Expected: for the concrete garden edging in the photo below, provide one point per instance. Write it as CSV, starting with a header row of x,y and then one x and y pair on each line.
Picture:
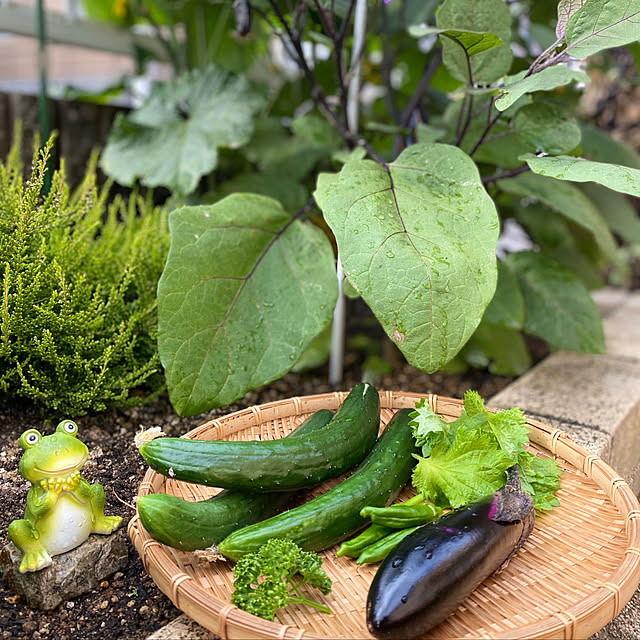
x,y
594,398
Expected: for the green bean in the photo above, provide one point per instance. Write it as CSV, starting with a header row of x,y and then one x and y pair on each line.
x,y
380,550
354,547
403,515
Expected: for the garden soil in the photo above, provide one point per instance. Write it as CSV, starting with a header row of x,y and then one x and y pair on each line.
x,y
128,604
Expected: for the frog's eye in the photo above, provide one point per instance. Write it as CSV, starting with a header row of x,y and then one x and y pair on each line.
x,y
29,438
68,426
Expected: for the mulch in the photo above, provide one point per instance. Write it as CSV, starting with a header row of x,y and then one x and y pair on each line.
x,y
128,604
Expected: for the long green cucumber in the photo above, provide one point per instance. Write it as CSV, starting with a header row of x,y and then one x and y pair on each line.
x,y
189,525
275,465
335,515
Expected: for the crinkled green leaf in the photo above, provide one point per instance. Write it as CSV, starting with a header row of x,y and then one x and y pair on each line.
x,y
172,139
471,467
239,298
550,78
480,445
418,243
427,426
602,24
473,403
558,307
567,200
472,42
613,176
540,478
483,17
509,428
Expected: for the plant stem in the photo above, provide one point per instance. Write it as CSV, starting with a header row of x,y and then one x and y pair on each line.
x,y
490,122
414,100
538,64
512,173
311,603
298,598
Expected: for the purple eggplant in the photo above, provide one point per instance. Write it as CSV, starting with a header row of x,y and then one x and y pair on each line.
x,y
434,568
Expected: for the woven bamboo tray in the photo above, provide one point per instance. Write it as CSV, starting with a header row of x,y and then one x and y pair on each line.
x,y
577,570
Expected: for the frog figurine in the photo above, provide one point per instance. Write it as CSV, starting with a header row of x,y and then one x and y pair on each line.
x,y
62,507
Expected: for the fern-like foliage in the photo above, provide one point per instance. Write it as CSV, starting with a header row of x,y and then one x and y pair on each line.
x,y
77,291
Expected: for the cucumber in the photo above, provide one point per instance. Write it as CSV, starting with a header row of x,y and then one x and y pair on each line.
x,y
275,465
335,515
189,525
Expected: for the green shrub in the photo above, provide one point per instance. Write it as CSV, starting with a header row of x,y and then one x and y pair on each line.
x,y
77,291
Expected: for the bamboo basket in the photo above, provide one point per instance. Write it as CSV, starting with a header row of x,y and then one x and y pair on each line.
x,y
574,574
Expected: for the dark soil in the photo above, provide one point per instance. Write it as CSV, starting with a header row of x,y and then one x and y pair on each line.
x,y
128,604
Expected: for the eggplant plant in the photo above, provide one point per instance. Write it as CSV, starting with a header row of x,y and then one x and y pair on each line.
x,y
469,120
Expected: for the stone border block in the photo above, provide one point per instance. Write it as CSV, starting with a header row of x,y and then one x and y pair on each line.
x,y
600,393
622,329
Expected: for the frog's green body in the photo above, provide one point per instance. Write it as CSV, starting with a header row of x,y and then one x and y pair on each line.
x,y
63,509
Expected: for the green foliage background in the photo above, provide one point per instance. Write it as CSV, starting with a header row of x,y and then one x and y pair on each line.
x,y
77,291
468,119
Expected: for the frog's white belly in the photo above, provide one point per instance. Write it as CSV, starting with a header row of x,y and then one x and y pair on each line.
x,y
67,526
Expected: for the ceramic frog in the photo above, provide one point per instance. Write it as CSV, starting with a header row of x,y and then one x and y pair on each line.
x,y
62,507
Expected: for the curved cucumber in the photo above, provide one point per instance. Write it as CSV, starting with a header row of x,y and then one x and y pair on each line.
x,y
189,525
275,465
334,515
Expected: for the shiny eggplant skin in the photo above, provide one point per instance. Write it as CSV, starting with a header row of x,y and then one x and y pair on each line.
x,y
433,569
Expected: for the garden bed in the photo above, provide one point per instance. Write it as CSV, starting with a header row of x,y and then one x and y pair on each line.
x,y
128,604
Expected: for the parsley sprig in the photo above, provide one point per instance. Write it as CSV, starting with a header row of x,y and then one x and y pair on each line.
x,y
270,578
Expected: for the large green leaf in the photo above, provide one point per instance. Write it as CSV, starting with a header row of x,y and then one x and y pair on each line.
x,y
558,308
418,243
289,192
597,145
567,200
547,128
172,139
503,351
506,308
566,8
539,127
613,176
276,151
602,24
555,237
245,289
616,209
479,16
550,78
472,42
